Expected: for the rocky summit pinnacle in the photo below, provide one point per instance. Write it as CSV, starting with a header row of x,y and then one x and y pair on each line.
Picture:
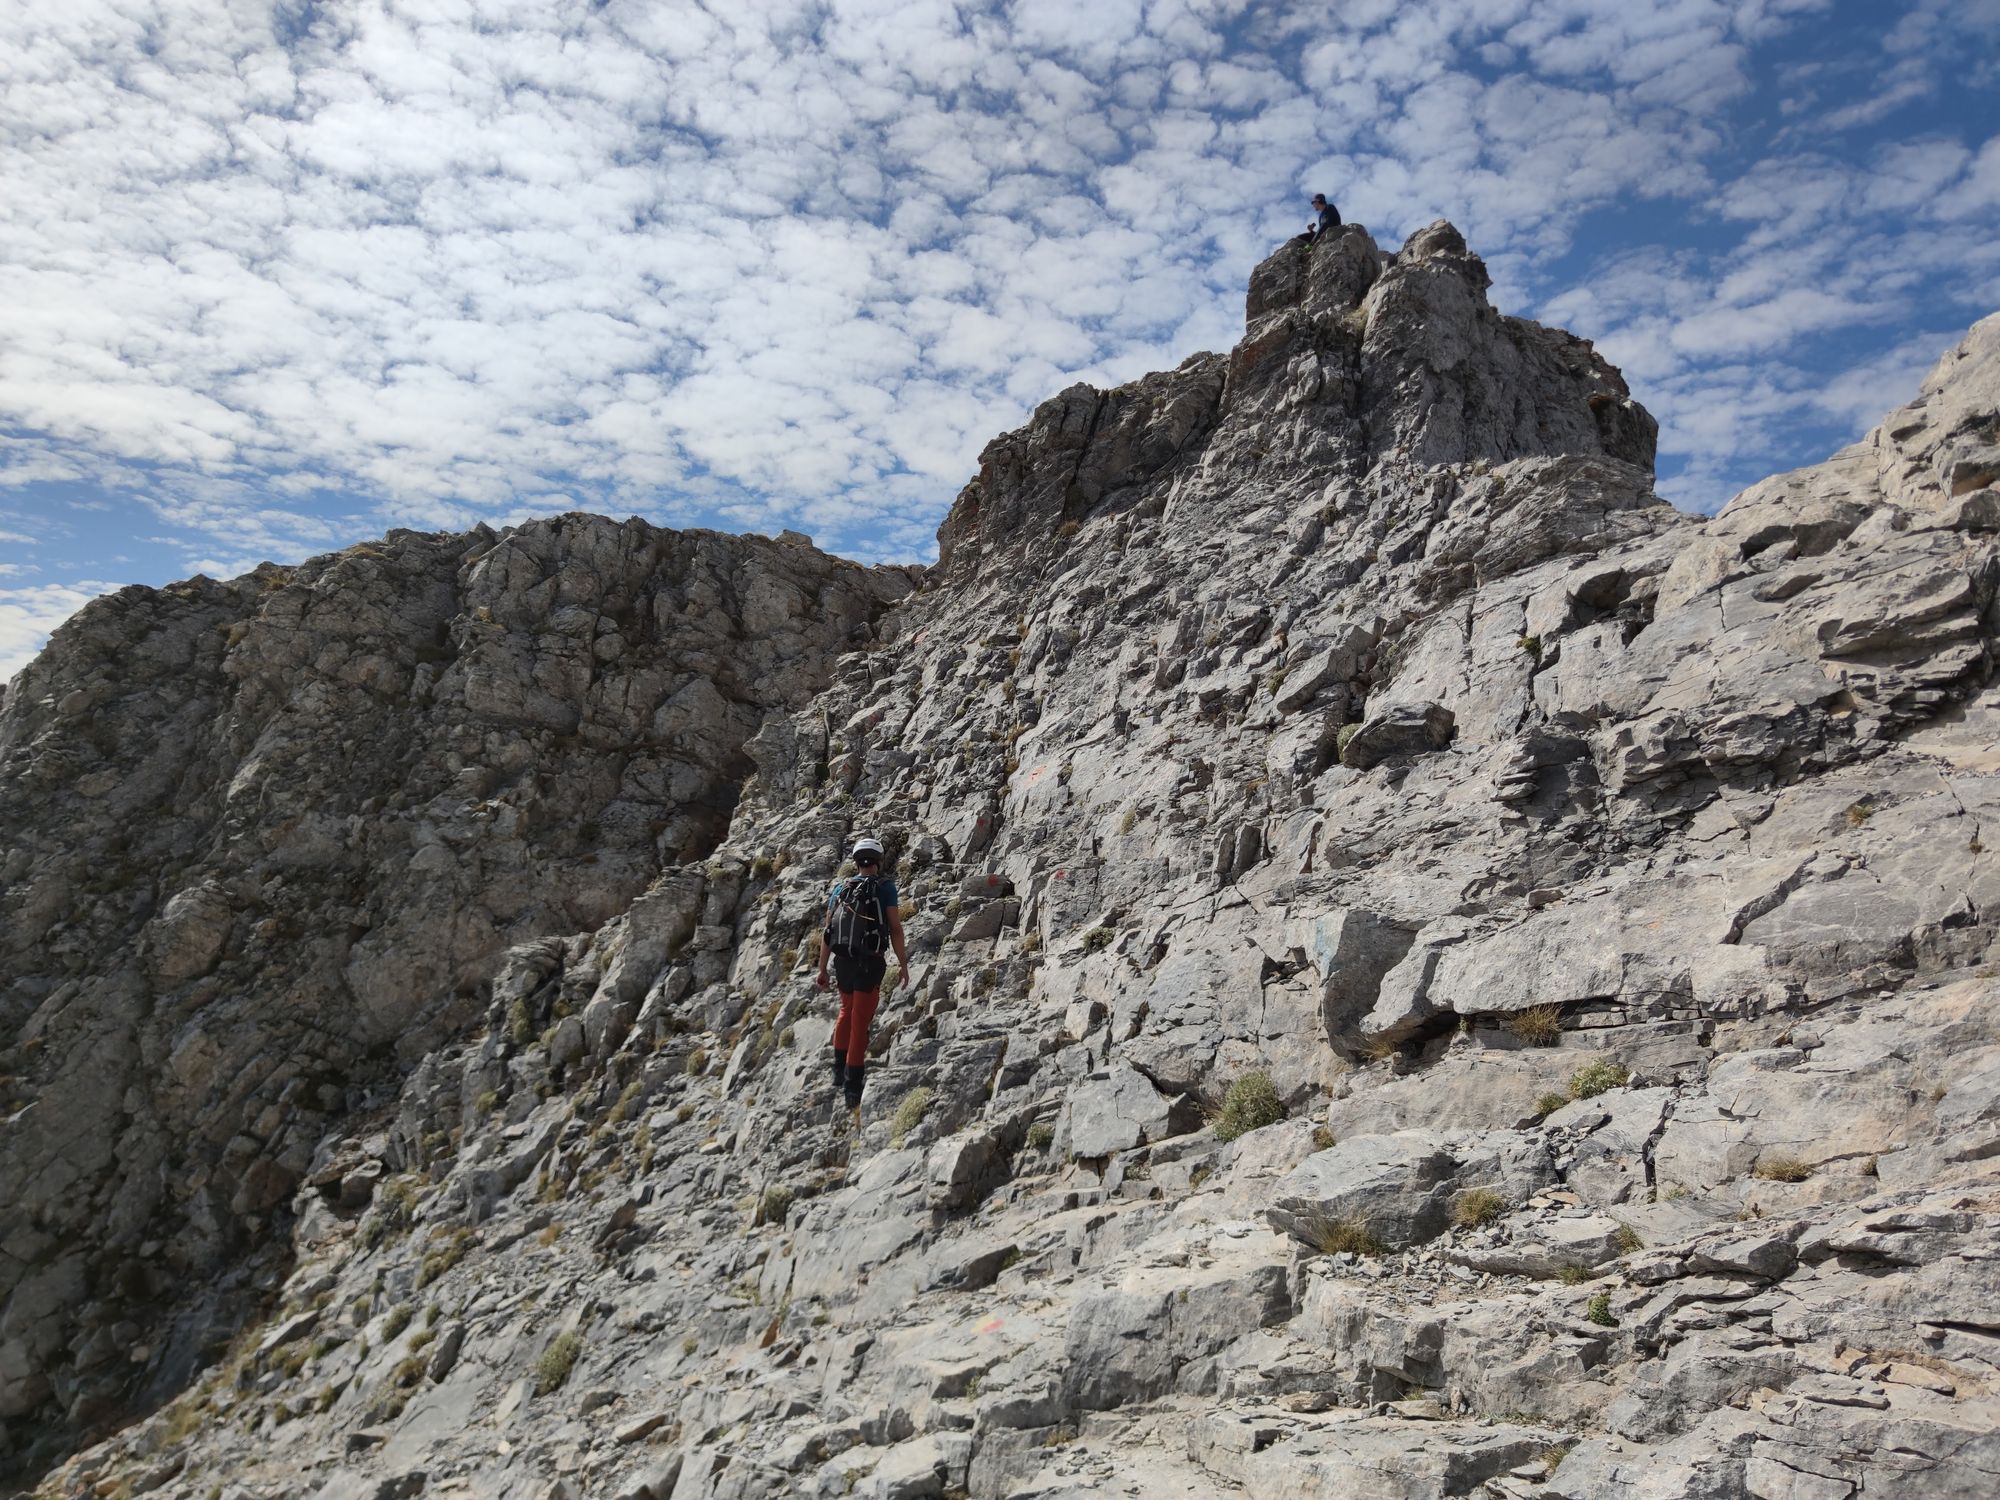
x,y
1433,973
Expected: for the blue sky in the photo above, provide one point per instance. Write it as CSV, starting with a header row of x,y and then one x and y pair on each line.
x,y
281,277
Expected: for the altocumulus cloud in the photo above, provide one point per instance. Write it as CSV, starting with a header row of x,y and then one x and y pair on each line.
x,y
290,273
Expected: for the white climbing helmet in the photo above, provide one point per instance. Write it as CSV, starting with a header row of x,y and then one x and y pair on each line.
x,y
866,845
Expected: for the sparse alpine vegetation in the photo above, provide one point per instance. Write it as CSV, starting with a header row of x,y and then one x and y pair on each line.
x,y
1478,1207
556,1361
1250,1103
1538,1025
1595,1078
909,1114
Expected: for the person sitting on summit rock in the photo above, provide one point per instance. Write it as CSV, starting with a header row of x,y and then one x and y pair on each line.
x,y
862,919
1327,217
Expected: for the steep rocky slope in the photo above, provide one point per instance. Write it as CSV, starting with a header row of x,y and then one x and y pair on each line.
x,y
1601,890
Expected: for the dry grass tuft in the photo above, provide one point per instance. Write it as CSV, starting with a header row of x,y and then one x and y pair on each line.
x,y
1342,1237
1783,1168
1538,1025
1478,1207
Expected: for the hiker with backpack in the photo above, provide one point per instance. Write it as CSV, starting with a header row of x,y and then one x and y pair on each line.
x,y
862,920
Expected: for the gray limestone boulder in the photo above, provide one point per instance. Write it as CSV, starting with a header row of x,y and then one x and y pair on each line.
x,y
1121,1109
1401,729
1399,1189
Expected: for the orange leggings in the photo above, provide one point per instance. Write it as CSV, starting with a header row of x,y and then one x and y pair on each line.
x,y
850,1032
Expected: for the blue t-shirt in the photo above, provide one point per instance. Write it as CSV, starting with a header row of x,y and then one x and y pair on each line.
x,y
885,887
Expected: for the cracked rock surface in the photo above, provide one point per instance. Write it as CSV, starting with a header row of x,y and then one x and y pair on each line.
x,y
1602,890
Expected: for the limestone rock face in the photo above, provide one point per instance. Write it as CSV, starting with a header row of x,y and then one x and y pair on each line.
x,y
1605,894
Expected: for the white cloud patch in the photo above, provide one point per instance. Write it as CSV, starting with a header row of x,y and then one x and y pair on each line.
x,y
794,264
27,615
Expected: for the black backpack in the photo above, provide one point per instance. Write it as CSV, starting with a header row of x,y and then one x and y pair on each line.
x,y
855,926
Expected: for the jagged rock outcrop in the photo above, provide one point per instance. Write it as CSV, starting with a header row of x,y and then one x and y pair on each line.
x,y
1350,356
1602,890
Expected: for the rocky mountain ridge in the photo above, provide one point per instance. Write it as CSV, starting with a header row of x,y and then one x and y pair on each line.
x,y
1337,730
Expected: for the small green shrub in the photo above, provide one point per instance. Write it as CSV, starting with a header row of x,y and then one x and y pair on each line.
x,y
909,1114
397,1320
1572,1275
697,1063
1098,937
1551,1458
1347,1236
1532,644
688,1346
1627,1240
1784,1168
553,1368
1594,1078
1548,1104
1347,733
1858,814
1538,1025
1128,820
487,1102
1598,1311
776,1203
1251,1103
1478,1207
444,1254
1040,1135
1323,1139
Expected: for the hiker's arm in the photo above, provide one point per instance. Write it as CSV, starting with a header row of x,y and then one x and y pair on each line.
x,y
895,917
825,953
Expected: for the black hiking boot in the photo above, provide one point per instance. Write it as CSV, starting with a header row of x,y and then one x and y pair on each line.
x,y
857,1076
839,1072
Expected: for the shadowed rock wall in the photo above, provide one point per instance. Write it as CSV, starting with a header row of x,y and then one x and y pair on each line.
x,y
266,838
